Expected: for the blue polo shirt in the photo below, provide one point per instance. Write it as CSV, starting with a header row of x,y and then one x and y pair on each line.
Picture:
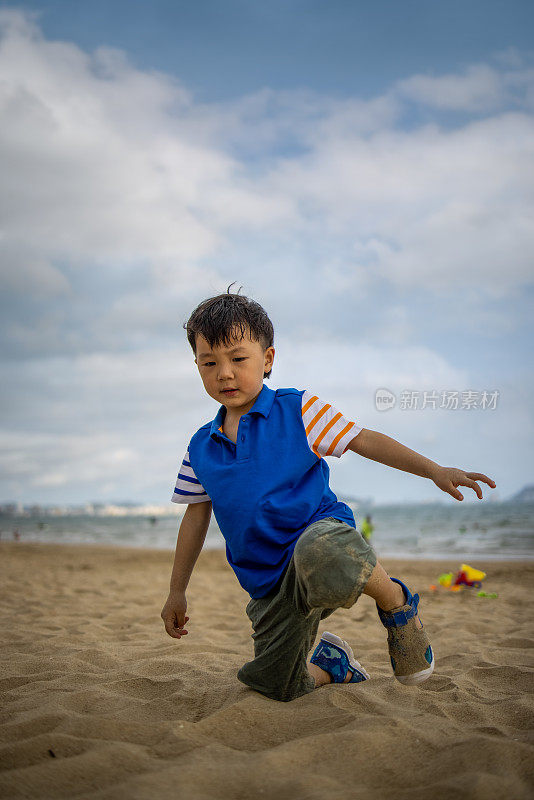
x,y
269,485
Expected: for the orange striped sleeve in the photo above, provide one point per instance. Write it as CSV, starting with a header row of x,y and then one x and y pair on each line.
x,y
328,432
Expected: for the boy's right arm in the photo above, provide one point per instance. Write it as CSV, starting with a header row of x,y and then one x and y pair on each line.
x,y
191,535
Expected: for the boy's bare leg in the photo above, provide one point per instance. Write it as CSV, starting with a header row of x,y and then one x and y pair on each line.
x,y
387,594
383,590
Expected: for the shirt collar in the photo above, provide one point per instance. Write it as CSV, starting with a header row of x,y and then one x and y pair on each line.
x,y
263,405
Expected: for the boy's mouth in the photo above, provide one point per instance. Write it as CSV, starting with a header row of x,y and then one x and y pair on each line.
x,y
229,391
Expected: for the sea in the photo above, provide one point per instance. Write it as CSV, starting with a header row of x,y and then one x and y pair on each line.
x,y
462,532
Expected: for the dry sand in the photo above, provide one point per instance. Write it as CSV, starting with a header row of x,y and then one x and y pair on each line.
x,y
98,702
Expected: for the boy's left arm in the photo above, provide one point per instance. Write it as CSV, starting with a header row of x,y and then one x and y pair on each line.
x,y
379,447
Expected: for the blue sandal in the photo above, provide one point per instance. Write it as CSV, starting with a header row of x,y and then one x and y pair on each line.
x,y
335,656
410,652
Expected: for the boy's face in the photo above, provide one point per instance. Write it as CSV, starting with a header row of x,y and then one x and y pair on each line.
x,y
239,366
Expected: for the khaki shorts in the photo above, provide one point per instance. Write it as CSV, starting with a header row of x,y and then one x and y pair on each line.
x,y
329,568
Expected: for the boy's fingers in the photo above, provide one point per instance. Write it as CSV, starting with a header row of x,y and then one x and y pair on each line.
x,y
474,485
173,627
478,476
175,633
171,630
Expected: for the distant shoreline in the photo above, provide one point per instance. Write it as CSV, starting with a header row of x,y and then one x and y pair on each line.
x,y
13,510
109,547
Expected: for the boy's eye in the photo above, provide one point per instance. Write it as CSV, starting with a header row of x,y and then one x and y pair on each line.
x,y
240,358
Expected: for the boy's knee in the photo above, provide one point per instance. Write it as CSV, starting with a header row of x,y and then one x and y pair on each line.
x,y
333,566
274,690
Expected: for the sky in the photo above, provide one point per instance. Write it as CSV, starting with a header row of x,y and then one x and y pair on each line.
x,y
363,171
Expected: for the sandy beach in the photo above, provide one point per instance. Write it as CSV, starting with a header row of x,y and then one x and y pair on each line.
x,y
98,702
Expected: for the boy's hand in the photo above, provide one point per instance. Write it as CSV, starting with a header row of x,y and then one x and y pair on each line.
x,y
173,614
448,478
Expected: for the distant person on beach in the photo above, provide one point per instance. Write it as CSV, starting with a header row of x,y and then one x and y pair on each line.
x,y
260,465
367,528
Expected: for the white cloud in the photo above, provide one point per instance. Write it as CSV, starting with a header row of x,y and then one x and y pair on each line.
x,y
72,462
104,163
428,207
480,88
94,166
352,372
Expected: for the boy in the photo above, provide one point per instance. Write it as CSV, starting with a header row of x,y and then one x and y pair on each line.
x,y
260,465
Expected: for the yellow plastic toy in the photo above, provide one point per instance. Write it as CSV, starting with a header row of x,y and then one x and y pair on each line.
x,y
472,574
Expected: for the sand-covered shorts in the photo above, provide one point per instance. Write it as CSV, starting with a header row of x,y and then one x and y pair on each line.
x,y
329,568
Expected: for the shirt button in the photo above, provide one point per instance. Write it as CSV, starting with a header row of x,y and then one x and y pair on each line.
x,y
243,437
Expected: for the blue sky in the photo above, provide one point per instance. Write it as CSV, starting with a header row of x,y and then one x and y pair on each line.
x,y
223,50
364,172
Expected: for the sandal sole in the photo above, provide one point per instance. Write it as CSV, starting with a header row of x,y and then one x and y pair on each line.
x,y
417,677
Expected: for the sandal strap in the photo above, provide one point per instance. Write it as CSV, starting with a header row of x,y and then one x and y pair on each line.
x,y
399,618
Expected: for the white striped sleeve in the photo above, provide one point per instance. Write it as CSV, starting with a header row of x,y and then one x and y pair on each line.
x,y
188,488
327,430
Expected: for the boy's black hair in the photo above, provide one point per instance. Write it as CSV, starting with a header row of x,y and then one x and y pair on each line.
x,y
217,317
